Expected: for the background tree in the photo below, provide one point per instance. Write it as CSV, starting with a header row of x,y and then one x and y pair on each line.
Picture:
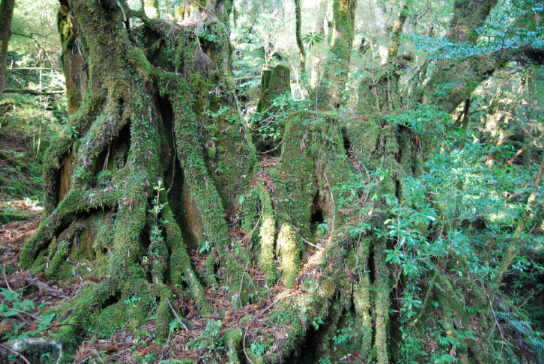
x,y
6,11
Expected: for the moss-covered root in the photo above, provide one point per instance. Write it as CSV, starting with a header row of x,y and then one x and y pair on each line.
x,y
266,256
202,186
232,339
76,202
180,262
101,134
191,156
125,261
309,307
164,313
297,180
60,248
82,310
289,253
362,299
381,302
325,349
268,236
60,251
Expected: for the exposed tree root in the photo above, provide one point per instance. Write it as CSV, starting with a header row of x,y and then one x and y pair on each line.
x,y
267,235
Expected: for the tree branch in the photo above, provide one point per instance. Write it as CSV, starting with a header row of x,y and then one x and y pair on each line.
x,y
24,91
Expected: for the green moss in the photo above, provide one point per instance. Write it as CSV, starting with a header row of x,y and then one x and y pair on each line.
x,y
304,310
289,255
267,233
363,137
233,339
203,188
180,263
250,205
129,224
61,252
103,238
110,320
191,155
164,314
362,299
274,82
296,175
256,359
76,201
39,264
82,311
381,302
331,88
138,59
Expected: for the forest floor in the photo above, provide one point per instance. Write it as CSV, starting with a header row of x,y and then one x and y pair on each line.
x,y
195,337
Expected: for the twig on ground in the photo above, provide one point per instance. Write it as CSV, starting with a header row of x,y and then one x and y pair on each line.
x,y
23,358
6,278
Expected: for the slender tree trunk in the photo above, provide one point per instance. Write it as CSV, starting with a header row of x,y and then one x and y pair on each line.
x,y
336,68
382,94
298,33
6,15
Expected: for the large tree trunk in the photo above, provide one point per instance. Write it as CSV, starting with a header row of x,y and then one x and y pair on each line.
x,y
6,14
158,190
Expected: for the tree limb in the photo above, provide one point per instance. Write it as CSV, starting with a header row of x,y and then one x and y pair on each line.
x,y
24,91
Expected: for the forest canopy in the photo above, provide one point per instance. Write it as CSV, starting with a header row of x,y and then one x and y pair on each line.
x,y
276,181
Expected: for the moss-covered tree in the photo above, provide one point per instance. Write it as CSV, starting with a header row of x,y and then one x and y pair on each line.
x,y
153,162
160,166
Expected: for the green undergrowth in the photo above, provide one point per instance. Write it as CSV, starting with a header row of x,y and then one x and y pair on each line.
x,y
28,125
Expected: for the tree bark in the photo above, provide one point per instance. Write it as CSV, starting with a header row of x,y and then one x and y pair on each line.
x,y
6,15
298,34
336,69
